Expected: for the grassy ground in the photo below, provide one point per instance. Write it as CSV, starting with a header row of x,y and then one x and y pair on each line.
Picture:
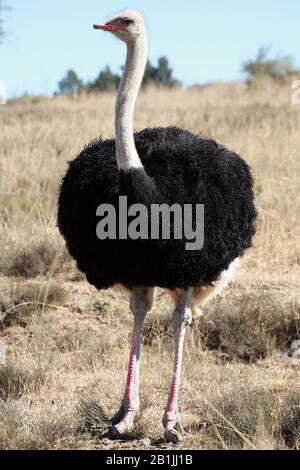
x,y
68,345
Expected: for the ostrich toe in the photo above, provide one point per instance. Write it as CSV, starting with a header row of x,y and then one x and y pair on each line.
x,y
174,432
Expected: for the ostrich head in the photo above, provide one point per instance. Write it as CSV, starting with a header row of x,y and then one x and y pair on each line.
x,y
128,26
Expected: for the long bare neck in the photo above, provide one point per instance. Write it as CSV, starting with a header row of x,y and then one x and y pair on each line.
x,y
127,156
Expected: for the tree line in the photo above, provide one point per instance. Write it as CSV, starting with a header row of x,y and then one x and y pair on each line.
x,y
161,75
262,66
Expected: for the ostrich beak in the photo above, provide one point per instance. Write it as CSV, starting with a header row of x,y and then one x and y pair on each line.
x,y
110,27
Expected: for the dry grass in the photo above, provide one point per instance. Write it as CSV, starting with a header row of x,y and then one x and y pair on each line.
x,y
19,301
67,354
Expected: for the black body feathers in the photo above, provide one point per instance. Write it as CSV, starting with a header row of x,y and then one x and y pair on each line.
x,y
179,167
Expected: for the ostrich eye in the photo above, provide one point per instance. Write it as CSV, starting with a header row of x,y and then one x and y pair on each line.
x,y
127,21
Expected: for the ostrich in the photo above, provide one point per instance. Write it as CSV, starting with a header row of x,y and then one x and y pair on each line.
x,y
155,166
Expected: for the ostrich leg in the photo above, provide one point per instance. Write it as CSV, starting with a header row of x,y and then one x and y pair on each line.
x,y
182,318
141,302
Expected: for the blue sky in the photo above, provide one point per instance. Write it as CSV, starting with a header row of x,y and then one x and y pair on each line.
x,y
205,40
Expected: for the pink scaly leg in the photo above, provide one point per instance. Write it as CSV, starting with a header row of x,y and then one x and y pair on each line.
x,y
182,318
140,303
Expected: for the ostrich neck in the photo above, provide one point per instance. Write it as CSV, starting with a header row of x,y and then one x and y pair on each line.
x,y
127,156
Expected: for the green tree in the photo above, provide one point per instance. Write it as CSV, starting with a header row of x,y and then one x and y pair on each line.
x,y
262,66
70,84
160,75
165,73
106,81
150,74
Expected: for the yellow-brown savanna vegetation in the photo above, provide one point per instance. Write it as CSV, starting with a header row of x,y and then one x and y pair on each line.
x,y
67,345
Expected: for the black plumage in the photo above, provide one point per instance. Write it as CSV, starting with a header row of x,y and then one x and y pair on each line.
x,y
179,167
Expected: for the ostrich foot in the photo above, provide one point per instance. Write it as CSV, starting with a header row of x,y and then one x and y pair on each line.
x,y
122,422
174,431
